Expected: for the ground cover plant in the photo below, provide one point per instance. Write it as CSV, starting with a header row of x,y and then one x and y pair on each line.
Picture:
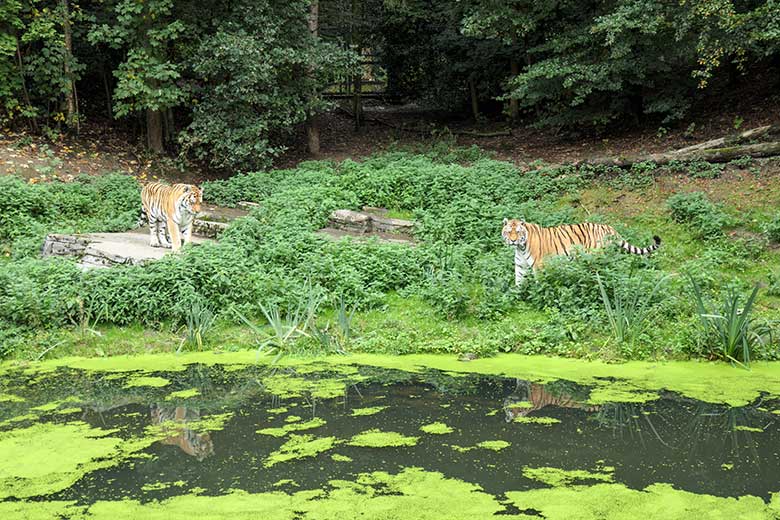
x,y
452,292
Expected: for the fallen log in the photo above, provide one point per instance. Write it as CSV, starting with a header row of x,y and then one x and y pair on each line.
x,y
730,139
713,155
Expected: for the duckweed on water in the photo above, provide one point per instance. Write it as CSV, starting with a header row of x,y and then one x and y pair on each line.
x,y
369,410
556,477
183,394
211,423
620,392
546,421
743,428
292,418
152,381
293,427
285,386
438,428
656,502
378,439
46,457
712,382
300,447
494,445
340,458
415,494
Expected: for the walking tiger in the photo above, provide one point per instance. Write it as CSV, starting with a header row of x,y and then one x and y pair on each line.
x,y
534,243
170,211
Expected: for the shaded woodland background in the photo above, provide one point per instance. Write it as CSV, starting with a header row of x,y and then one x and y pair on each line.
x,y
230,85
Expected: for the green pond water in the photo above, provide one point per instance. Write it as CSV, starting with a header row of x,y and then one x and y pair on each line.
x,y
312,441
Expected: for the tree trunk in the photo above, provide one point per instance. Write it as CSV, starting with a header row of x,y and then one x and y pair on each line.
x,y
733,139
474,100
154,130
515,70
70,95
357,100
312,125
33,122
170,128
109,109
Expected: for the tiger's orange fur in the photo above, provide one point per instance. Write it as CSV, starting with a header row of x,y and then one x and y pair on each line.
x,y
170,210
534,244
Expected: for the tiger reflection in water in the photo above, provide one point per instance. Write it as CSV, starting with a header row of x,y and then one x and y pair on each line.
x,y
529,397
198,445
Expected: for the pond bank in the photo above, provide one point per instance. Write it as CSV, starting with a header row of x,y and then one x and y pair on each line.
x,y
711,382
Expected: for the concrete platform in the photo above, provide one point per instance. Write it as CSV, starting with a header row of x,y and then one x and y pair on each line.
x,y
107,249
132,247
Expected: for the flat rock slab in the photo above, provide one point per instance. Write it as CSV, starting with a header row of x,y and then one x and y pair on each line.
x,y
107,249
393,238
371,222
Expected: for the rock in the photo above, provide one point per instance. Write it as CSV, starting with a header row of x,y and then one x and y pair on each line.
x,y
107,249
349,220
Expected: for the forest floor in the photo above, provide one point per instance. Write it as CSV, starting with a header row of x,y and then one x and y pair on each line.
x,y
104,147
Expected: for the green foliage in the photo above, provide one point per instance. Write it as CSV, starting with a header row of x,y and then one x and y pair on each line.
x,y
198,322
255,85
629,315
772,229
698,169
29,212
271,268
733,335
147,78
696,211
570,284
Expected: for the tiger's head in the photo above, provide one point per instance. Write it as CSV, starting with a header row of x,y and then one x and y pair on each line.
x,y
192,198
515,233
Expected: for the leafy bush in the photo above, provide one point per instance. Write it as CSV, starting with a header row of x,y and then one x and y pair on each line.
x,y
629,315
772,229
733,336
569,284
29,212
699,213
698,169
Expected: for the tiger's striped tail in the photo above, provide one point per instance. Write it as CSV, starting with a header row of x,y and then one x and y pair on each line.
x,y
629,248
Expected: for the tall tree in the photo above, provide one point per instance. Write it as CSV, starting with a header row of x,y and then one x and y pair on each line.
x,y
312,124
257,77
147,80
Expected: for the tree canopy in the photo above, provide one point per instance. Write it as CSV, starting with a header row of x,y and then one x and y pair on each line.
x,y
224,82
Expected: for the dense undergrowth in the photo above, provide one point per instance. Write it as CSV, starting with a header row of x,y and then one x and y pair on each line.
x,y
453,292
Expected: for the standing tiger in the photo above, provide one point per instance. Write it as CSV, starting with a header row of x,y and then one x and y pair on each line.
x,y
170,211
533,243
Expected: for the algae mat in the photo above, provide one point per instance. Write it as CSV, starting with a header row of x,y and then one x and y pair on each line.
x,y
223,437
706,381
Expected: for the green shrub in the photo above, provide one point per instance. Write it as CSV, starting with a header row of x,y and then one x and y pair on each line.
x,y
569,284
30,211
732,336
699,213
772,229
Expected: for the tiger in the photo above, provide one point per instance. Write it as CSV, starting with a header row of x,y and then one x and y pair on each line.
x,y
170,211
535,397
175,419
534,243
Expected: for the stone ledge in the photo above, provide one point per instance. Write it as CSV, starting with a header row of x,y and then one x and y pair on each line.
x,y
106,249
